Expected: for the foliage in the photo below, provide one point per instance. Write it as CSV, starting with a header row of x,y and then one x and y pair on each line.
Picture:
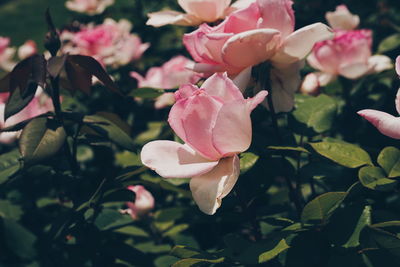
x,y
322,190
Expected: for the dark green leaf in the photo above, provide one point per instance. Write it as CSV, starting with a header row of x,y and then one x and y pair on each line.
x,y
80,78
288,148
374,178
19,239
109,130
345,154
9,164
55,65
321,208
40,139
9,210
247,161
389,160
18,101
147,93
316,113
389,43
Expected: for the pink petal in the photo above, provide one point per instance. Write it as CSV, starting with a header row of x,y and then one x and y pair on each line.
x,y
342,19
379,63
209,189
242,79
162,18
164,100
206,10
173,160
354,71
298,44
241,20
219,85
313,81
398,65
176,114
259,45
384,122
397,101
198,120
285,81
232,131
277,14
253,102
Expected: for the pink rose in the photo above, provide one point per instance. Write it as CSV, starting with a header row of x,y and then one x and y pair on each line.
x,y
170,75
111,43
90,7
197,11
26,50
264,30
387,124
144,202
261,32
214,122
342,19
348,54
40,104
6,54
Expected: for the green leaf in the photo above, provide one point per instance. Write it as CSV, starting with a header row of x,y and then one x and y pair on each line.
x,y
19,239
154,130
132,231
151,247
126,159
316,113
195,262
374,178
246,252
176,230
389,43
110,219
193,256
108,129
9,165
321,208
346,232
389,160
41,138
9,210
385,240
147,93
247,161
344,154
289,148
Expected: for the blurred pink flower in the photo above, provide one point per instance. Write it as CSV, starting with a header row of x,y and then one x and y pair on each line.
x,y
214,122
40,104
170,75
90,7
387,124
197,11
144,202
111,43
28,49
6,54
342,19
265,31
348,54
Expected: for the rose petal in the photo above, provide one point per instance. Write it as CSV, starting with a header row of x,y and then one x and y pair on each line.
x,y
298,44
397,101
379,63
209,189
398,65
260,45
253,102
221,86
277,14
206,10
232,131
162,18
198,120
285,81
354,71
384,122
242,79
173,160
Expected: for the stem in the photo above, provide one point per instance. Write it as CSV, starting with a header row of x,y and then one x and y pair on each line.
x,y
265,82
250,214
55,97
